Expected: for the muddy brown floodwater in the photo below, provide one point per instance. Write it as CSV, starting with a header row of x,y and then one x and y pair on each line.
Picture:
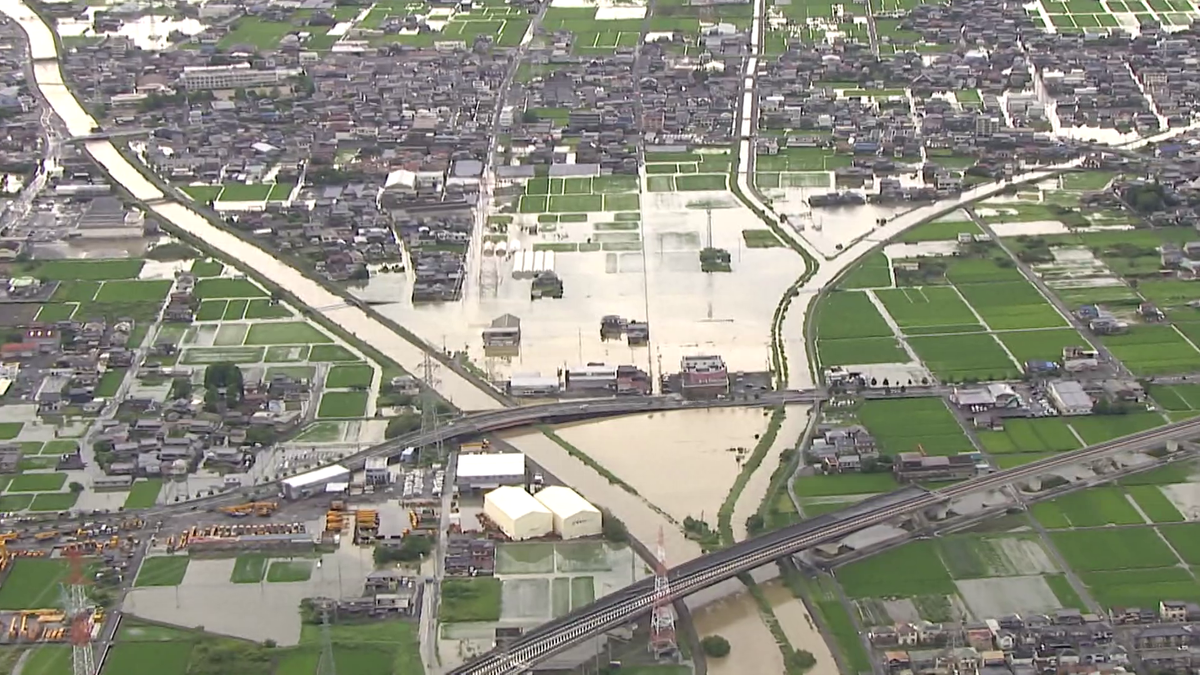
x,y
752,647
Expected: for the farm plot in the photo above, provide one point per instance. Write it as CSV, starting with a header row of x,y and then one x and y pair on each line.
x,y
33,583
580,194
1176,397
1100,428
982,271
1153,350
1113,549
1185,539
978,557
1093,507
844,484
957,358
1047,434
1011,305
929,309
1142,588
1156,505
873,272
1040,345
860,351
850,314
906,425
911,570
802,160
938,230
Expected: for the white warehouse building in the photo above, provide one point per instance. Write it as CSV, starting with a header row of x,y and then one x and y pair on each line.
x,y
517,513
314,482
574,516
487,470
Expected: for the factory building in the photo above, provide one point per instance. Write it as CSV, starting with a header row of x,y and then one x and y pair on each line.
x,y
518,515
314,482
533,384
486,471
574,516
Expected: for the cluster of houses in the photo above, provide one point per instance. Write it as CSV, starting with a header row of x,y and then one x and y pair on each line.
x,y
852,449
175,438
1151,640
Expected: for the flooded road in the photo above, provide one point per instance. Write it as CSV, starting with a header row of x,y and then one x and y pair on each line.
x,y
752,647
355,321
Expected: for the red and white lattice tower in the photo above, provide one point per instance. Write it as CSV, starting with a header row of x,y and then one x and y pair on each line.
x,y
79,615
662,621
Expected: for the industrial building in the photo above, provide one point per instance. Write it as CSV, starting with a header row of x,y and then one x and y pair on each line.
x,y
518,515
1070,398
314,482
486,471
574,516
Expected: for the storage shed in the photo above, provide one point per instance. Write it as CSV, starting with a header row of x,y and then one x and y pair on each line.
x,y
517,513
574,516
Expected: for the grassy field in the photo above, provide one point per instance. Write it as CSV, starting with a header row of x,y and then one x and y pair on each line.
x,y
1185,539
343,404
37,482
33,584
1176,397
263,308
162,571
476,599
148,658
91,270
911,570
249,568
981,556
958,358
904,425
1123,549
143,494
1099,428
288,571
54,501
1088,508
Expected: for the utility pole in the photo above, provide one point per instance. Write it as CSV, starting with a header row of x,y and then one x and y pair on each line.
x,y
429,402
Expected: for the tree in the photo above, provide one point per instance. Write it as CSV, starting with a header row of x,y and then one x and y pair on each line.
x,y
715,646
800,661
222,385
755,524
76,487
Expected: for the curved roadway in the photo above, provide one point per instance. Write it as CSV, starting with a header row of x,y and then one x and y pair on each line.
x,y
708,570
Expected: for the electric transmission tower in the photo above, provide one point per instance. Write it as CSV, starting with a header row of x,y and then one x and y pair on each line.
x,y
326,665
79,615
429,402
662,621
